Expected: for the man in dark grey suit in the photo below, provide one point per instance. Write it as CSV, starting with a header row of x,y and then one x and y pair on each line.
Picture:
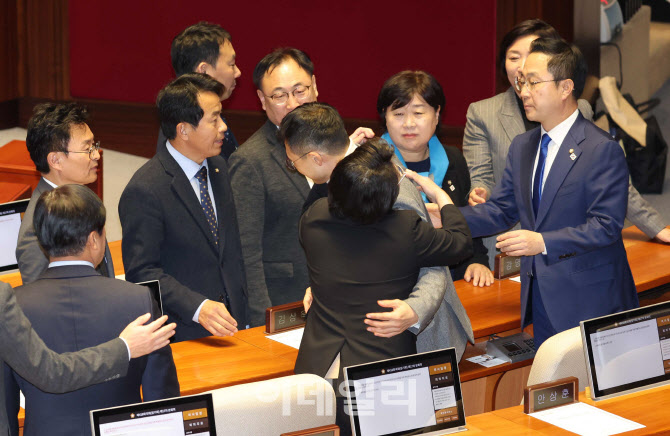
x,y
268,196
178,216
72,306
23,350
207,48
64,151
315,141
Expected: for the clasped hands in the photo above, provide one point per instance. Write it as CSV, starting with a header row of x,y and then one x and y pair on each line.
x,y
382,324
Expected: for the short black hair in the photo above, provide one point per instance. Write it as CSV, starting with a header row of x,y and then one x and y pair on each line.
x,y
197,43
567,61
278,57
525,28
49,130
364,185
400,88
178,101
65,216
314,127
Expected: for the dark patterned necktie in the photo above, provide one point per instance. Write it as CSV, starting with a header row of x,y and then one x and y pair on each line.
x,y
206,203
539,173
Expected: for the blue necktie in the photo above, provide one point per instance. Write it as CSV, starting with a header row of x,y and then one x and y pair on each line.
x,y
539,173
206,203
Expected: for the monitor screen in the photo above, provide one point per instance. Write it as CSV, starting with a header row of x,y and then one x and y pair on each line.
x,y
193,415
11,215
417,394
627,351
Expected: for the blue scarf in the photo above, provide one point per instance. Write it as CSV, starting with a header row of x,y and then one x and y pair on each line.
x,y
439,162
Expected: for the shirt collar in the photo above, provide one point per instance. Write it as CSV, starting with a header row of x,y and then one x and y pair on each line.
x,y
558,133
70,262
188,166
52,184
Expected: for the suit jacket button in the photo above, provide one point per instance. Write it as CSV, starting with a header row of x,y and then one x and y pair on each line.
x,y
529,274
221,298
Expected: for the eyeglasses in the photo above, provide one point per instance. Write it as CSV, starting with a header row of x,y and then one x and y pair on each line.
x,y
91,151
299,93
402,170
290,164
520,82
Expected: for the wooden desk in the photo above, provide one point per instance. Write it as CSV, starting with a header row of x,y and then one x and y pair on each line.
x,y
13,191
17,167
648,408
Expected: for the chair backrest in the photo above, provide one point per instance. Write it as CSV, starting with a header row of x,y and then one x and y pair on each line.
x,y
275,406
560,356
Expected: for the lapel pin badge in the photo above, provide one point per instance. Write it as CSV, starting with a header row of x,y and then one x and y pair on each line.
x,y
573,156
216,170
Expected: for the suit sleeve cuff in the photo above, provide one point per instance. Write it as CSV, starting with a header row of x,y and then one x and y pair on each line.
x,y
197,312
127,347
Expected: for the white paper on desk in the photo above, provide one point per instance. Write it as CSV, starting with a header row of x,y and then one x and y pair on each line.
x,y
516,279
291,338
486,360
586,420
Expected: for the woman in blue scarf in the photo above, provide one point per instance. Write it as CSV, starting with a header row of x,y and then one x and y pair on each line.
x,y
409,107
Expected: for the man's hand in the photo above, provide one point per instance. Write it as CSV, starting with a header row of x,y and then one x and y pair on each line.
x,y
144,339
307,299
521,243
389,324
215,318
361,135
434,215
664,236
479,274
477,196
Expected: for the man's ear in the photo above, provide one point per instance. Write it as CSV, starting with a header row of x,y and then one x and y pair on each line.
x,y
567,86
318,159
183,129
94,240
316,92
202,68
54,160
261,97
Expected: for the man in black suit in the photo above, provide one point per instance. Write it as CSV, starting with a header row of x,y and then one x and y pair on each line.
x,y
71,306
207,48
178,216
64,151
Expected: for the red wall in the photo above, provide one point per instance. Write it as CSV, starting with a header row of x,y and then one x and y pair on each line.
x,y
120,49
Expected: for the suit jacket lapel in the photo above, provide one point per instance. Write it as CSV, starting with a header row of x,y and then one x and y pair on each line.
x,y
182,187
278,153
528,152
510,116
561,167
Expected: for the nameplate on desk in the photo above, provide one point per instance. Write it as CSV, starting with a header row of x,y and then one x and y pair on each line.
x,y
326,430
506,266
551,394
285,317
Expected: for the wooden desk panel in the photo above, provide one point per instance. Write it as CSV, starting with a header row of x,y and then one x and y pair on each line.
x,y
212,363
648,408
14,191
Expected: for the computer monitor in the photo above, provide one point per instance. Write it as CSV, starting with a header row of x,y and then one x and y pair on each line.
x,y
11,215
628,351
411,395
192,415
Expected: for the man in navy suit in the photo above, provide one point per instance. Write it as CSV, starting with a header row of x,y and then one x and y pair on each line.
x,y
567,182
178,216
71,306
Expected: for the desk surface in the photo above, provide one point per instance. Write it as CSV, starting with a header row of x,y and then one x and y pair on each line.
x,y
648,408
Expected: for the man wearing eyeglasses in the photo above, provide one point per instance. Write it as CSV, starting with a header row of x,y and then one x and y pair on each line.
x,y
567,183
268,196
64,151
